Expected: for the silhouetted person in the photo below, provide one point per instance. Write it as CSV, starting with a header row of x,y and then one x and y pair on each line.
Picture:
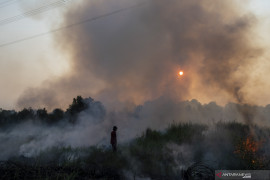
x,y
114,139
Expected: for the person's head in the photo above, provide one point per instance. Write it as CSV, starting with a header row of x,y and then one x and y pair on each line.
x,y
114,128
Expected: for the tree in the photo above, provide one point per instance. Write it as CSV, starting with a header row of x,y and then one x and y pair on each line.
x,y
26,114
75,108
42,114
56,115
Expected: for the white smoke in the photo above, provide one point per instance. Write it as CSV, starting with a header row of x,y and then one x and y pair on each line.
x,y
94,125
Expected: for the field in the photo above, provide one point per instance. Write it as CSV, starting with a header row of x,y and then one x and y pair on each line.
x,y
182,151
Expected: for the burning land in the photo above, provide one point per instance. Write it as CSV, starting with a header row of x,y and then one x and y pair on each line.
x,y
177,89
74,144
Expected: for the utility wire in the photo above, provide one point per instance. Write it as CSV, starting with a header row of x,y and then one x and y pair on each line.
x,y
33,12
5,4
72,25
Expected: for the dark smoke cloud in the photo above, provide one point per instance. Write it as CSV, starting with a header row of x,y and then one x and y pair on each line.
x,y
134,56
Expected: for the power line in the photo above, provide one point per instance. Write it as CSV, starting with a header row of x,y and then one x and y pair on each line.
x,y
32,12
72,25
7,3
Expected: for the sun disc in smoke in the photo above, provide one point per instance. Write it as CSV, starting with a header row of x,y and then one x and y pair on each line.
x,y
181,73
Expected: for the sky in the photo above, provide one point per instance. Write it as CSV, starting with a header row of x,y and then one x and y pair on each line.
x,y
28,63
48,71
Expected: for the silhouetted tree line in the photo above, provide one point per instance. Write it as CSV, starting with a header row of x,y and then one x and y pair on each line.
x,y
79,104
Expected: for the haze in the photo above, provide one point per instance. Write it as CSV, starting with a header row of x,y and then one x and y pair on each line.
x,y
135,56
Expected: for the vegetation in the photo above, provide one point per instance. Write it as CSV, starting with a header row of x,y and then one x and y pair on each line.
x,y
182,150
11,117
149,155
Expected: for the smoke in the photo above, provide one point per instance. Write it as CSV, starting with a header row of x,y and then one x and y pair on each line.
x,y
94,125
130,61
134,56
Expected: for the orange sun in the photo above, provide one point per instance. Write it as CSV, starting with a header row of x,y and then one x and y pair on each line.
x,y
181,73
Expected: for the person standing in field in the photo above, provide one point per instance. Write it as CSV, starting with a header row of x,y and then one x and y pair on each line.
x,y
114,139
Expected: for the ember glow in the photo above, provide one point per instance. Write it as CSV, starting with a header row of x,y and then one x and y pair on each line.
x,y
249,151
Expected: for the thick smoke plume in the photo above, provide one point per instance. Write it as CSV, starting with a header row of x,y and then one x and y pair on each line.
x,y
134,56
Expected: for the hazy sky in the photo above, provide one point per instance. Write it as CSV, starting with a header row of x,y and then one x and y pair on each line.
x,y
28,63
32,64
